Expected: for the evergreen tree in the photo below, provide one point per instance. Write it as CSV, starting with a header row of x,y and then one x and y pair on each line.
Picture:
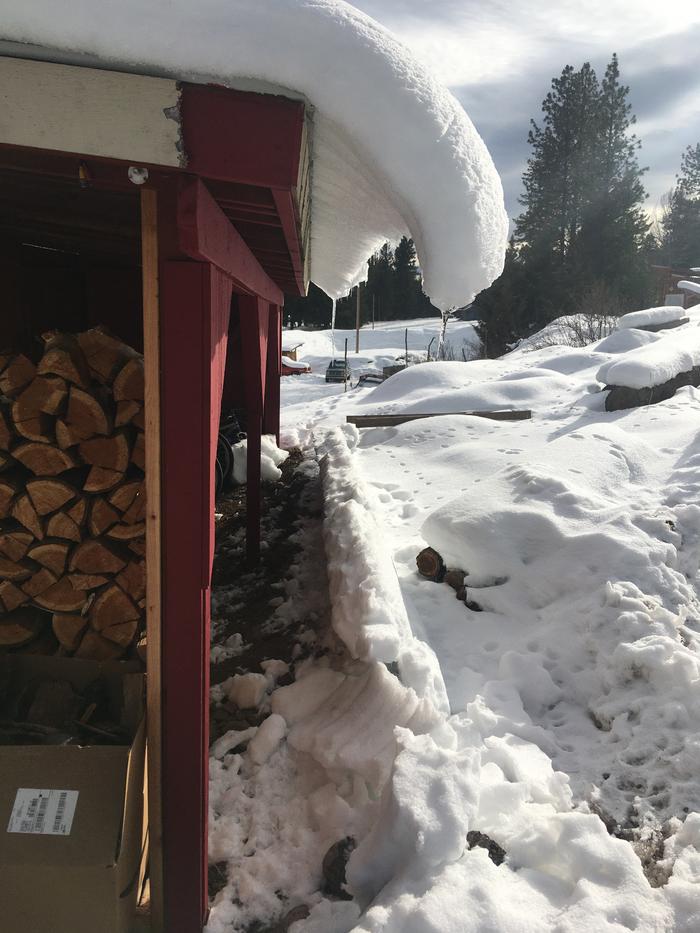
x,y
380,283
559,173
610,248
680,238
409,299
582,230
313,311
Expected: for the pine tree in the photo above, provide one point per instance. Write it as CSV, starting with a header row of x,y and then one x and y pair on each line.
x,y
314,310
380,283
409,299
610,248
680,239
558,177
582,230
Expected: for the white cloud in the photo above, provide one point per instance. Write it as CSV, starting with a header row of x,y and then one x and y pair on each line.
x,y
499,58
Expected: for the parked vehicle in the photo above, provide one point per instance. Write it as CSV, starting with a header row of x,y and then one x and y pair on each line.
x,y
338,371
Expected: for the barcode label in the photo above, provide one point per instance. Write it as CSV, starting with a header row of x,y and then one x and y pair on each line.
x,y
43,812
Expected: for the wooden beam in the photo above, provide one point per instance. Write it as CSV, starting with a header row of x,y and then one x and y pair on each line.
x,y
271,407
151,356
289,218
254,321
240,136
195,301
205,234
386,421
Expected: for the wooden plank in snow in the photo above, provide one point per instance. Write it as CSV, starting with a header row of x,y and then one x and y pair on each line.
x,y
386,421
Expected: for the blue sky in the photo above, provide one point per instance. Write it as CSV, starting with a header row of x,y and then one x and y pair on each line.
x,y
499,57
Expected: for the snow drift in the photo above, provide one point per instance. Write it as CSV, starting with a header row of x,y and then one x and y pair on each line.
x,y
393,151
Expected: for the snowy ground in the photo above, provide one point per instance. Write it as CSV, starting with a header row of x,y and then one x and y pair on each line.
x,y
558,717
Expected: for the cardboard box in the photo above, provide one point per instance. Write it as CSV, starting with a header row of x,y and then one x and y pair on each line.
x,y
63,871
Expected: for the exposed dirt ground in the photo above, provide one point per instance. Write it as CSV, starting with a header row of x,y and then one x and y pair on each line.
x,y
264,613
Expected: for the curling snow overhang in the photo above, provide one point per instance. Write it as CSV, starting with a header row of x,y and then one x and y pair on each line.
x,y
392,151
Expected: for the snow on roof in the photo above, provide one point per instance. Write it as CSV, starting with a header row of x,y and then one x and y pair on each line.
x,y
394,152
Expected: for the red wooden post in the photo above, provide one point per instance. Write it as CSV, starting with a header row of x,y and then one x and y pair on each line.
x,y
194,309
271,412
254,318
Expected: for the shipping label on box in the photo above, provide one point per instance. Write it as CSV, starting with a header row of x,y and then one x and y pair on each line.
x,y
43,812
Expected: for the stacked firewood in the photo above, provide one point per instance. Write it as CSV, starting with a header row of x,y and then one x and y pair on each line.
x,y
72,494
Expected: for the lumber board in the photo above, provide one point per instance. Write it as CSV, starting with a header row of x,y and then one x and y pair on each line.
x,y
387,421
154,686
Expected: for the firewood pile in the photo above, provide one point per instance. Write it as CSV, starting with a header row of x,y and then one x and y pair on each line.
x,y
72,496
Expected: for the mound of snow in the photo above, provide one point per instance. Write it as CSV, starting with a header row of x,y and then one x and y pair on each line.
x,y
447,387
622,341
655,363
271,457
393,151
666,314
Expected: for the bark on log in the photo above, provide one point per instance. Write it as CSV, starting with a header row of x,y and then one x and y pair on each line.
x,y
63,357
15,544
113,607
61,525
43,459
62,597
138,453
101,479
52,555
96,648
85,414
106,355
128,384
102,517
6,434
18,373
19,627
126,411
17,571
9,490
132,579
87,581
127,532
68,629
11,596
95,555
24,512
430,564
39,582
49,495
123,497
110,453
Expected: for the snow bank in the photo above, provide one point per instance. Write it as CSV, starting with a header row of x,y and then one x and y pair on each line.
x,y
666,314
673,353
393,151
368,611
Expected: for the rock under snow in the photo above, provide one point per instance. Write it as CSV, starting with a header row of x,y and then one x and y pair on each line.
x,y
246,690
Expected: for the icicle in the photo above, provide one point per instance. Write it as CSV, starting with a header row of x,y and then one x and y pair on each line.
x,y
333,331
445,315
